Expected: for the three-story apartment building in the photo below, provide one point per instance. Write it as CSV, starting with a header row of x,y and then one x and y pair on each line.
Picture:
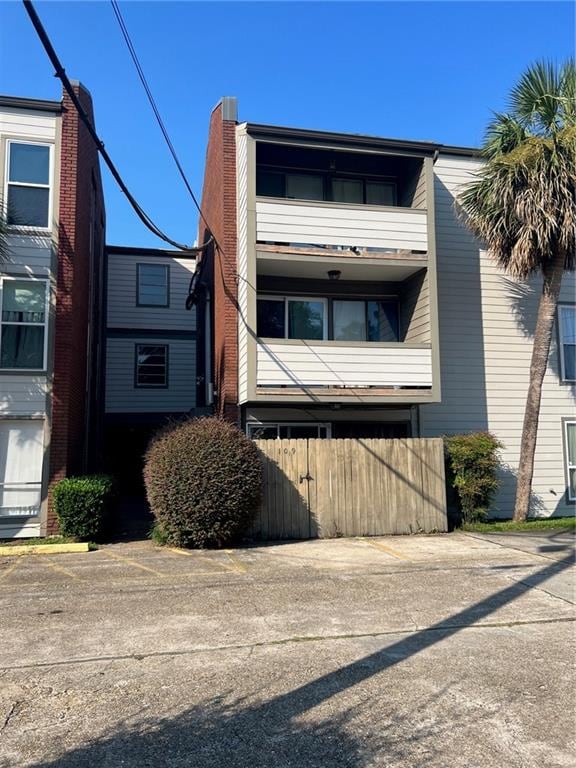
x,y
350,301
50,295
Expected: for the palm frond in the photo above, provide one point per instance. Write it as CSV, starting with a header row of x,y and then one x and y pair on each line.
x,y
4,245
536,99
522,204
503,135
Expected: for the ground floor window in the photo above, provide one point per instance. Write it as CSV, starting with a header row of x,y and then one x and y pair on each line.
x,y
21,456
151,365
337,429
279,430
570,457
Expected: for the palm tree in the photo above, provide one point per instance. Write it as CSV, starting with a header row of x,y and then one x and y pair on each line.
x,y
522,205
4,249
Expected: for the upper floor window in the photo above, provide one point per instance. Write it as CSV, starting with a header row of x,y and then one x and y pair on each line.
x,y
287,317
567,333
23,324
292,318
153,282
311,186
359,320
28,185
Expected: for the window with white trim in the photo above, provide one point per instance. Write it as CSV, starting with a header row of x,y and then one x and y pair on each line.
x,y
28,184
21,456
567,337
570,455
23,324
151,365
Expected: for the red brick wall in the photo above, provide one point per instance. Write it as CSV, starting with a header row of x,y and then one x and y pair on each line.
x,y
219,207
79,177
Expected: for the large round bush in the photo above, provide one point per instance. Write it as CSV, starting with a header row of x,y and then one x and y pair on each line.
x,y
203,482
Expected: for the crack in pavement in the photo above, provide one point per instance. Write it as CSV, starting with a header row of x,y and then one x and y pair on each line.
x,y
289,640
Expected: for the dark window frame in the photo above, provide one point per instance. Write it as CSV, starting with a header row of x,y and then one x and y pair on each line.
x,y
566,420
166,268
327,178
284,297
166,347
562,343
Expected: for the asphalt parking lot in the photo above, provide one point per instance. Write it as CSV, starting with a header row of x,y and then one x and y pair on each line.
x,y
452,650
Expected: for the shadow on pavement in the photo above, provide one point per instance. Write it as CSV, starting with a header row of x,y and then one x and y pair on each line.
x,y
273,733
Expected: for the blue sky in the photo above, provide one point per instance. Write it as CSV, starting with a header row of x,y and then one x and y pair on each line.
x,y
409,70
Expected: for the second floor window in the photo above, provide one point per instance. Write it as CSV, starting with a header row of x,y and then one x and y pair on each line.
x,y
153,285
567,333
28,185
359,320
287,317
23,324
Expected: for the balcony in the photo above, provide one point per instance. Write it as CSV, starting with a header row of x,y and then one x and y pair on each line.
x,y
342,365
336,276
341,224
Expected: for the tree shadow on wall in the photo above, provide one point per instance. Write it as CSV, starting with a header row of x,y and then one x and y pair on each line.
x,y
524,299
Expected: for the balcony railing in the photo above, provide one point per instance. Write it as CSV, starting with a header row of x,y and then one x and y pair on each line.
x,y
296,363
341,224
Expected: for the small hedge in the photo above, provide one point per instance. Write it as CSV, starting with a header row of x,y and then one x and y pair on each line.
x,y
81,505
203,482
473,460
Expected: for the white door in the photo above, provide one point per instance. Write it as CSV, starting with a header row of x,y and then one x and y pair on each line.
x,y
21,455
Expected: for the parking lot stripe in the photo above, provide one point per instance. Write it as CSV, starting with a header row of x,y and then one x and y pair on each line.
x,y
10,570
236,564
384,548
58,568
134,564
177,551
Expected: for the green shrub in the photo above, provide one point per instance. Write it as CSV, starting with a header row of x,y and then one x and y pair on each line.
x,y
473,460
81,505
203,482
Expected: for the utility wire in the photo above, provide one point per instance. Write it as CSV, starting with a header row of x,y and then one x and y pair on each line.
x,y
61,75
158,116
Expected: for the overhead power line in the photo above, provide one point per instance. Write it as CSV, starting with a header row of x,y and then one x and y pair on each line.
x,y
158,116
61,75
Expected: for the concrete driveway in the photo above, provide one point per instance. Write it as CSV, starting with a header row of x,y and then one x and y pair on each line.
x,y
437,651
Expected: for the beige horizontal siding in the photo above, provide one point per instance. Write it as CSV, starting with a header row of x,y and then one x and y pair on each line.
x,y
28,124
22,395
486,333
336,224
29,255
415,310
242,218
323,365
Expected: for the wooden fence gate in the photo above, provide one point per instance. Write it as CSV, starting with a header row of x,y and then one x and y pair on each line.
x,y
351,487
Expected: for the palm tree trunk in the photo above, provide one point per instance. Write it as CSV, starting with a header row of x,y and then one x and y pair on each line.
x,y
540,352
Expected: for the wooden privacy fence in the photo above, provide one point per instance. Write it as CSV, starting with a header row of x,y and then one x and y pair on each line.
x,y
351,487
